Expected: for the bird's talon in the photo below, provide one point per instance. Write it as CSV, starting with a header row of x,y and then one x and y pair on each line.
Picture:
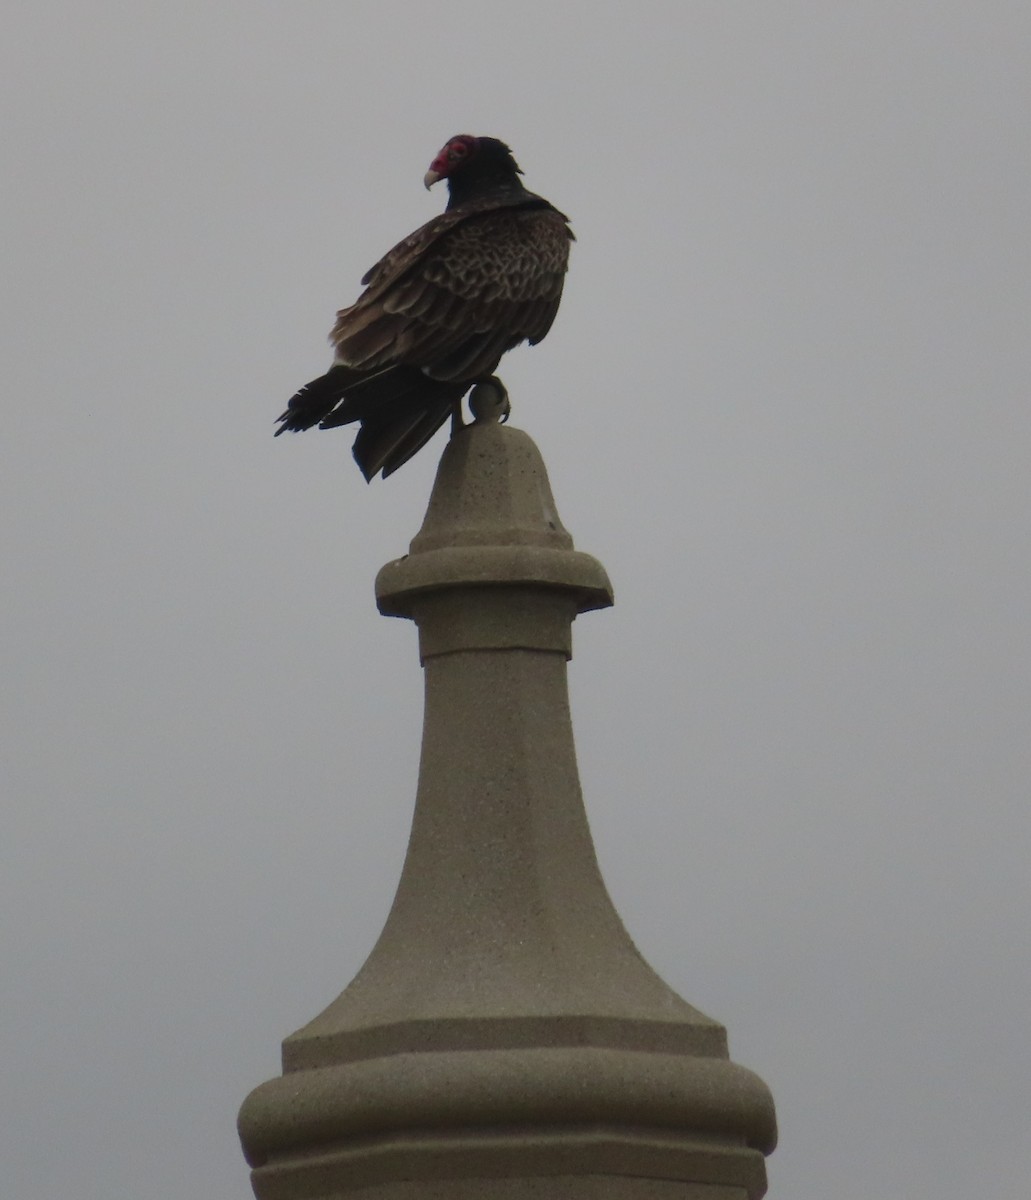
x,y
488,401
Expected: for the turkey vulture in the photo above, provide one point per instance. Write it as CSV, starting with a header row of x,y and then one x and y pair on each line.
x,y
441,308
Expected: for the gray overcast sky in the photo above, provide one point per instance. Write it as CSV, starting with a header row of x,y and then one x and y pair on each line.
x,y
786,403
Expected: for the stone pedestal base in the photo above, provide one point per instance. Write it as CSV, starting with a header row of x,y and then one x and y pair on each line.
x,y
546,1114
610,1186
555,1187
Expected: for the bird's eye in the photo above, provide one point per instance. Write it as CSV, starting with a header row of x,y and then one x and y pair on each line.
x,y
458,150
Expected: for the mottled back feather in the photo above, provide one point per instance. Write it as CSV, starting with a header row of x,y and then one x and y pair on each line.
x,y
479,280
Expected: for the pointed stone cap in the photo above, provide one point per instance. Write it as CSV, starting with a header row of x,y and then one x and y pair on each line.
x,y
492,520
504,1028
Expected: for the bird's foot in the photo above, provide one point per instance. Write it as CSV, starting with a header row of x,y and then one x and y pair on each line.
x,y
488,401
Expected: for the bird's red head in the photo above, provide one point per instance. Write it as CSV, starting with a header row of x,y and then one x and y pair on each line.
x,y
457,151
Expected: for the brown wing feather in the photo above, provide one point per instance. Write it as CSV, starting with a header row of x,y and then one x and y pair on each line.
x,y
396,261
459,292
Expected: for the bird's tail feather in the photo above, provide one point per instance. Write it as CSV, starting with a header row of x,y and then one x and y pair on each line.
x,y
388,443
399,408
317,399
370,391
398,428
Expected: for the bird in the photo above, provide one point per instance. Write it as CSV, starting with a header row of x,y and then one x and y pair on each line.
x,y
440,309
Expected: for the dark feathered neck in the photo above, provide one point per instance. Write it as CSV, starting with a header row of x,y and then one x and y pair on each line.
x,y
491,174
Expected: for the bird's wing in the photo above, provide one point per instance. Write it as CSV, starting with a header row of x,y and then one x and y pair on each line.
x,y
455,295
396,261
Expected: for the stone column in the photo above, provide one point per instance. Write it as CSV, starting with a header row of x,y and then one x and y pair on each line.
x,y
504,1039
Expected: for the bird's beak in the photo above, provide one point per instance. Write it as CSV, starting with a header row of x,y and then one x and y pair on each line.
x,y
430,178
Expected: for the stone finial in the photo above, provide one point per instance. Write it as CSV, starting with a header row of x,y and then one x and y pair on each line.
x,y
504,1037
